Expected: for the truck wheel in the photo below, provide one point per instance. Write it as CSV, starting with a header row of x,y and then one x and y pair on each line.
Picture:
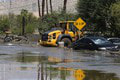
x,y
67,42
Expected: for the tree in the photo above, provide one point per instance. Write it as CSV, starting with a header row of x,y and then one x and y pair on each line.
x,y
115,14
51,9
96,13
43,7
39,10
47,6
4,24
64,6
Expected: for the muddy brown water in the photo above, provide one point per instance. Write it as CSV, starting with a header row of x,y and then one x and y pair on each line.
x,y
46,63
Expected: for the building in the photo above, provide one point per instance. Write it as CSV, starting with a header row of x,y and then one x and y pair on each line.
x,y
15,6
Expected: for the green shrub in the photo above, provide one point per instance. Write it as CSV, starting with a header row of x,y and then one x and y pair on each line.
x,y
4,23
29,28
16,30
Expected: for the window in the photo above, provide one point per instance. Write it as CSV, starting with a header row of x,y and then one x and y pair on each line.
x,y
72,27
63,26
54,35
100,40
115,40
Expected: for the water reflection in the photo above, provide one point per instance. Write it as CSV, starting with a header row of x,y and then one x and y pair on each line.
x,y
25,66
98,75
60,73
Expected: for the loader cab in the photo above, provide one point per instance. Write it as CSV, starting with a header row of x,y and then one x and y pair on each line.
x,y
68,28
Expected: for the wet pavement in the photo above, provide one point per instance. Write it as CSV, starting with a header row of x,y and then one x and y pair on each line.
x,y
29,62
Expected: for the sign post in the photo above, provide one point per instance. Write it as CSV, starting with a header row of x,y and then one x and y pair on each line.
x,y
79,23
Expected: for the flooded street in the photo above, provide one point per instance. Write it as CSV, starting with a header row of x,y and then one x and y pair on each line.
x,y
26,62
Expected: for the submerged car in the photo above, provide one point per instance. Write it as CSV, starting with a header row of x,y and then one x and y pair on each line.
x,y
115,41
94,43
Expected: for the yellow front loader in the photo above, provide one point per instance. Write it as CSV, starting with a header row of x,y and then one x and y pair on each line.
x,y
67,33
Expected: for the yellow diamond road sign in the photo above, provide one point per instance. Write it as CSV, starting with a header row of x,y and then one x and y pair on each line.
x,y
79,23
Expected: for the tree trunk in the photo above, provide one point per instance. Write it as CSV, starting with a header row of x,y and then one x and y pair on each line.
x,y
51,6
43,7
64,6
47,6
39,8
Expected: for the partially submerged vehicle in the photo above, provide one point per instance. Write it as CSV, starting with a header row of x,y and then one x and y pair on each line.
x,y
115,41
94,43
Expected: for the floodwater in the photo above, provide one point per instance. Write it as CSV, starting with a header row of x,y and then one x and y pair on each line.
x,y
26,62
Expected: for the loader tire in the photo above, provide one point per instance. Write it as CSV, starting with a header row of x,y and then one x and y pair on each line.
x,y
67,42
